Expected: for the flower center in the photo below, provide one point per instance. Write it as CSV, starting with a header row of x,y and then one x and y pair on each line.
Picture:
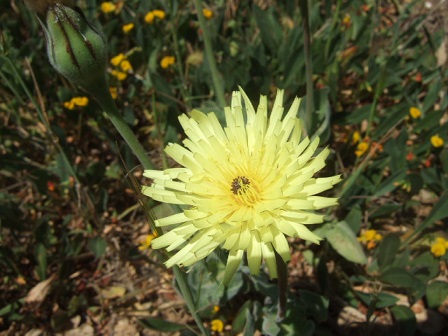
x,y
245,193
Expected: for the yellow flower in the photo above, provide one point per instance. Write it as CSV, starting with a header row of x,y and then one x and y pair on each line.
x,y
125,65
208,14
159,14
361,148
115,61
147,243
80,101
245,187
216,309
167,61
437,141
76,101
69,105
113,92
347,21
107,7
217,325
370,238
356,137
121,76
415,112
126,28
438,249
149,17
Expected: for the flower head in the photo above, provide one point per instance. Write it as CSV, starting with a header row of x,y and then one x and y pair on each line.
x,y
208,14
108,7
167,61
147,242
157,13
75,48
217,325
370,238
76,102
126,28
415,112
362,147
437,141
120,75
245,187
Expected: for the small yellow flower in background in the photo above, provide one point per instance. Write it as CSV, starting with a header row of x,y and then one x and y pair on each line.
x,y
208,14
167,61
149,17
370,238
147,242
415,112
216,309
356,137
113,92
126,28
80,101
437,141
76,101
217,325
108,7
69,105
125,65
438,249
120,75
347,21
159,14
245,187
116,60
361,148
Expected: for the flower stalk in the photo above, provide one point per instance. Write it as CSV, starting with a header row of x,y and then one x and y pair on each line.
x,y
78,51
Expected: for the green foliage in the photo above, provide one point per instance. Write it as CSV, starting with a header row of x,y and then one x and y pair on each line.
x,y
65,209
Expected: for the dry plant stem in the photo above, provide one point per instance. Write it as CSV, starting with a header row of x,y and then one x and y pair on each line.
x,y
107,103
308,63
216,77
282,273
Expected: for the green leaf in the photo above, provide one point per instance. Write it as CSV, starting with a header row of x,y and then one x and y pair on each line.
x,y
436,294
406,320
241,317
316,305
387,250
344,241
377,300
425,266
161,324
41,256
401,278
354,219
97,245
270,29
438,212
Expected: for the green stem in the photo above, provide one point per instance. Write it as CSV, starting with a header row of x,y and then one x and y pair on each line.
x,y
186,294
308,64
216,77
103,97
282,273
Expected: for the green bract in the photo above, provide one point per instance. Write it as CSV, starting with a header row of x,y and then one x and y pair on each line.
x,y
75,48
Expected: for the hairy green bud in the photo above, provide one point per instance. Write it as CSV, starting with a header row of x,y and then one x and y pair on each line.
x,y
75,48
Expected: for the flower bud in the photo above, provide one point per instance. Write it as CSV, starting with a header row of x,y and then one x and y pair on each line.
x,y
40,6
75,48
